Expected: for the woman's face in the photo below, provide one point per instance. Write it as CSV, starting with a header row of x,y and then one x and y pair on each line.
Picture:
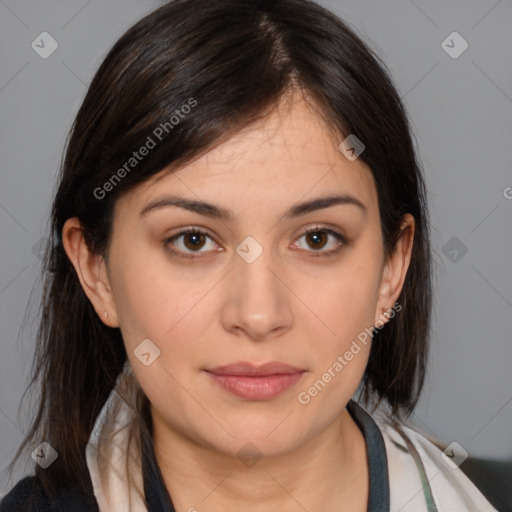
x,y
254,288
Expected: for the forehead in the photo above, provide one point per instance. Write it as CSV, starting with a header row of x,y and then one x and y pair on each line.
x,y
289,155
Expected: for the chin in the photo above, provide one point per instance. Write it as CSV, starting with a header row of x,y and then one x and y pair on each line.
x,y
250,448
268,433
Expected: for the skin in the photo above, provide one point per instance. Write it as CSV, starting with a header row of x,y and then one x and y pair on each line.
x,y
286,306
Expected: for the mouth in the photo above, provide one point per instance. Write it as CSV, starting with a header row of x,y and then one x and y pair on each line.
x,y
256,382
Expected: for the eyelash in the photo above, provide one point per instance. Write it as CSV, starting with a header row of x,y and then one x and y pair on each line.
x,y
315,254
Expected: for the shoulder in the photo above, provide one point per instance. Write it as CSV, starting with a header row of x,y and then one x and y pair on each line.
x,y
28,495
419,474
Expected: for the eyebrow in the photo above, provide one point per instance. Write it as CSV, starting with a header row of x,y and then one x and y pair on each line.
x,y
217,212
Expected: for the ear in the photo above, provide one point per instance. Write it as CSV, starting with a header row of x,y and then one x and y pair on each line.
x,y
395,270
91,270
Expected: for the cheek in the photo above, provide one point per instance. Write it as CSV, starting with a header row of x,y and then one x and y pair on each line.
x,y
153,301
345,304
340,357
157,304
345,299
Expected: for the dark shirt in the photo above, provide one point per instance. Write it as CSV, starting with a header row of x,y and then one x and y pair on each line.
x,y
29,496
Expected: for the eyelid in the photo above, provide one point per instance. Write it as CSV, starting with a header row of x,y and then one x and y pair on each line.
x,y
185,231
342,239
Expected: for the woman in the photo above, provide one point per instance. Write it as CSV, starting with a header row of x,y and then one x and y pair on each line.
x,y
239,244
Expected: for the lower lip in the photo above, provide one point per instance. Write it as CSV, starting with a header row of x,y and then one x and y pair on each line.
x,y
256,388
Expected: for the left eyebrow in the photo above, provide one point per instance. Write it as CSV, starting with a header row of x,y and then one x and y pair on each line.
x,y
213,211
323,202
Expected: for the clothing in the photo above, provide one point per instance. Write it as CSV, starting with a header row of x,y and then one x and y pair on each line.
x,y
159,501
406,471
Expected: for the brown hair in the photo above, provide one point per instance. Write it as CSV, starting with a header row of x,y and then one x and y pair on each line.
x,y
235,59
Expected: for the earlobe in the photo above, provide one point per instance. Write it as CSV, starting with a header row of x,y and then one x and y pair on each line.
x,y
396,268
91,271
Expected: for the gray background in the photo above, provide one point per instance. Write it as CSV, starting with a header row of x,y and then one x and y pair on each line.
x,y
461,113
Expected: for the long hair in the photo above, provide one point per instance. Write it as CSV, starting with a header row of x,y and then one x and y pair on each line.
x,y
188,76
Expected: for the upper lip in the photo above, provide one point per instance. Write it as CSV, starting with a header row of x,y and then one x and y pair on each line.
x,y
246,368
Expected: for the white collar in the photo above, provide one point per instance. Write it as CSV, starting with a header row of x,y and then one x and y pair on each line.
x,y
415,466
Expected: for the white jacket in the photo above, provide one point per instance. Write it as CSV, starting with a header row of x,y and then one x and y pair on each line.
x,y
421,479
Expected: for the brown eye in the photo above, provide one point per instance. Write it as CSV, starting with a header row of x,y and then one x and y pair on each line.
x,y
194,240
187,242
318,237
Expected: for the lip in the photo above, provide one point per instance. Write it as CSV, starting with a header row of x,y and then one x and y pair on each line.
x,y
256,381
247,369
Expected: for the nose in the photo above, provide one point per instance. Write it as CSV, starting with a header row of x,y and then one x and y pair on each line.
x,y
257,302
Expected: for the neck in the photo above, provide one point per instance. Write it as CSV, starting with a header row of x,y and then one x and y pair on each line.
x,y
326,472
